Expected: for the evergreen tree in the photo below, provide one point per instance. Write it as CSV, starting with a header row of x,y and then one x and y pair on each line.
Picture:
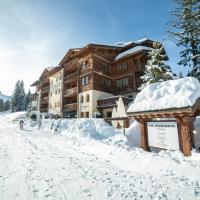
x,y
185,31
22,97
1,105
156,70
14,99
28,101
6,105
18,97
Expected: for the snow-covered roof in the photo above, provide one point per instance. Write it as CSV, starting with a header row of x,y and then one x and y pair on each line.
x,y
180,93
131,51
141,40
123,44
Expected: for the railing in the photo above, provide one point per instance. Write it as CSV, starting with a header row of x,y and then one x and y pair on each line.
x,y
44,100
111,101
45,89
70,77
106,102
71,107
43,109
71,91
86,70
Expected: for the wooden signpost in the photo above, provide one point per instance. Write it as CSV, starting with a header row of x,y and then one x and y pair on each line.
x,y
168,129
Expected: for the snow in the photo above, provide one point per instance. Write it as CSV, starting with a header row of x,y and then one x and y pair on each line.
x,y
123,44
73,163
178,93
141,40
131,51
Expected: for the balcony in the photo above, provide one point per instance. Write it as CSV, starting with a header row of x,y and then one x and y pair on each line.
x,y
111,101
70,92
71,77
44,110
108,102
71,107
44,100
45,89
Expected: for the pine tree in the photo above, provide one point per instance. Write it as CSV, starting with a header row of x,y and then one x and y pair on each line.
x,y
22,97
28,101
156,70
1,105
6,105
18,97
185,31
14,99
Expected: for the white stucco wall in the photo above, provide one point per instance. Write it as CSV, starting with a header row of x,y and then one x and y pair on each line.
x,y
55,95
90,106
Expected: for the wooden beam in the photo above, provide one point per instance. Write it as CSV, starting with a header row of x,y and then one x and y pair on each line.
x,y
144,136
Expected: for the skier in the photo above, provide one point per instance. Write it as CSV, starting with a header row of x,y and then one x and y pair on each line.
x,y
21,124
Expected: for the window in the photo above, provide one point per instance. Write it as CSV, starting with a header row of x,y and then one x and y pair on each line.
x,y
122,66
60,78
56,92
59,91
109,114
122,82
84,80
84,64
82,115
87,114
87,98
81,99
58,103
55,104
106,82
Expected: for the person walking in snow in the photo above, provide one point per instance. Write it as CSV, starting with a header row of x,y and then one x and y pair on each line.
x,y
21,124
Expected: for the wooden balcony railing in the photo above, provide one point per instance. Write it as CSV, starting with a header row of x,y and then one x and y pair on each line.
x,y
71,107
111,101
45,89
71,77
71,91
107,102
44,100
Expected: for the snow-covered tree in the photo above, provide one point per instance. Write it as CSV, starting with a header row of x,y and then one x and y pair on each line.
x,y
18,97
28,101
156,70
1,105
6,105
185,31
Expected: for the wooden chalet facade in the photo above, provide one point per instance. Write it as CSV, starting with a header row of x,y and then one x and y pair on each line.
x,y
93,73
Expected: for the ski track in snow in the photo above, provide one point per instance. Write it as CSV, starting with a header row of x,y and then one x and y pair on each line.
x,y
42,167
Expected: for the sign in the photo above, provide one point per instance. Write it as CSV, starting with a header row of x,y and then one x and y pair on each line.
x,y
163,134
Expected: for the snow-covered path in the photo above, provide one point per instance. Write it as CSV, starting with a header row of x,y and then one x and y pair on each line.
x,y
42,166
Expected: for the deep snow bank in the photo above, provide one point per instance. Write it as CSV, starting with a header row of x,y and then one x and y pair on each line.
x,y
90,128
169,94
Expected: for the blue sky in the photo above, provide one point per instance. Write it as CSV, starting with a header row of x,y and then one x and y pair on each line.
x,y
37,34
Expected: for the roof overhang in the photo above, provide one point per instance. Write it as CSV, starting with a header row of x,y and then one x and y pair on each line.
x,y
189,111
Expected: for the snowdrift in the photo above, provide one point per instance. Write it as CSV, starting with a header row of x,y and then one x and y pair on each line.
x,y
89,128
169,94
